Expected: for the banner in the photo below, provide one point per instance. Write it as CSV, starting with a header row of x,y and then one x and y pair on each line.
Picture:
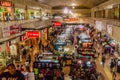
x,y
6,31
57,24
14,29
99,25
109,29
33,34
6,3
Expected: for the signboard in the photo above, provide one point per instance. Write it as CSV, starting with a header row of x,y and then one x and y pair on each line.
x,y
6,31
33,34
70,19
24,37
57,24
6,3
15,29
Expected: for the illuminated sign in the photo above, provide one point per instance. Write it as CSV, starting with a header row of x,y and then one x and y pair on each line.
x,y
57,24
33,34
70,19
6,3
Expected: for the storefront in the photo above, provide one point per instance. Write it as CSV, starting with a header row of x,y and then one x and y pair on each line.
x,y
5,10
33,14
20,14
3,55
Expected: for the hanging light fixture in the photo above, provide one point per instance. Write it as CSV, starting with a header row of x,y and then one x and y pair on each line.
x,y
66,10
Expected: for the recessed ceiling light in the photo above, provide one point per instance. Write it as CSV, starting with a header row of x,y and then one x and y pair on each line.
x,y
73,4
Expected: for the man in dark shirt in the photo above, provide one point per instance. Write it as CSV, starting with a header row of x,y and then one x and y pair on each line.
x,y
12,74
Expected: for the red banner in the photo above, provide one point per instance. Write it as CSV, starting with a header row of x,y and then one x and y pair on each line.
x,y
6,3
33,34
24,37
57,24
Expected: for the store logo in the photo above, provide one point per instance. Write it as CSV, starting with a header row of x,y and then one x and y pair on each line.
x,y
6,3
57,24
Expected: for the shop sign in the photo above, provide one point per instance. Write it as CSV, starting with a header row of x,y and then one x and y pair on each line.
x,y
6,31
15,29
33,34
24,37
6,3
57,24
70,19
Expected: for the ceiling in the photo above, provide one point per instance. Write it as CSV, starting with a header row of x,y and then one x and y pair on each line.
x,y
79,4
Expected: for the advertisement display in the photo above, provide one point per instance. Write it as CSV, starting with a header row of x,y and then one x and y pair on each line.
x,y
33,34
57,24
6,3
14,29
6,31
109,29
13,50
99,25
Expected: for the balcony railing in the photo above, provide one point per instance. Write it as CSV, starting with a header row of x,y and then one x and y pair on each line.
x,y
34,23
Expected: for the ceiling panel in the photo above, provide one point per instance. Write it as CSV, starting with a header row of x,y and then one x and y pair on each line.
x,y
56,4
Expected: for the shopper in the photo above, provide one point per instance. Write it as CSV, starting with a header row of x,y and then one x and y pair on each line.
x,y
98,52
30,75
103,60
114,73
12,74
112,64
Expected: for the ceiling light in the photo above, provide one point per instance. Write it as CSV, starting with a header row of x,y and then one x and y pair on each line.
x,y
66,10
73,4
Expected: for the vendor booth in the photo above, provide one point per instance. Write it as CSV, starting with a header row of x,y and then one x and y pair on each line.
x,y
87,52
42,66
59,46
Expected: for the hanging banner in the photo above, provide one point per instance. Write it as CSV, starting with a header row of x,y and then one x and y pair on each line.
x,y
14,29
57,24
23,38
6,3
109,30
33,34
99,25
6,31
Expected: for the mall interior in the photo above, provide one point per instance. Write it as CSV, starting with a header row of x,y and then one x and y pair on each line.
x,y
59,39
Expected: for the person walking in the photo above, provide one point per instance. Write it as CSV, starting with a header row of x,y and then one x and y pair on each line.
x,y
103,60
114,73
98,52
30,75
12,74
